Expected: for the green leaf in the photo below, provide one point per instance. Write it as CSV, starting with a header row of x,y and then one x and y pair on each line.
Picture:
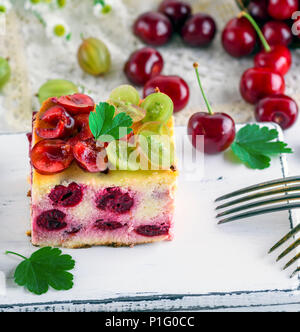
x,y
254,145
105,126
46,267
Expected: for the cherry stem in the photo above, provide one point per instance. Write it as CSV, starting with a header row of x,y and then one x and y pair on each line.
x,y
240,4
202,91
14,253
258,30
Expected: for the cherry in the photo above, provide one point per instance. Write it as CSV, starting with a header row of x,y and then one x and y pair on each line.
x,y
153,230
173,86
51,220
143,65
89,156
282,9
114,200
66,196
177,11
199,30
218,129
51,156
258,9
107,225
280,109
153,28
277,33
55,116
82,125
239,37
278,57
76,104
257,83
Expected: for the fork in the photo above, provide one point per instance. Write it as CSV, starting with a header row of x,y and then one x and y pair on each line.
x,y
263,198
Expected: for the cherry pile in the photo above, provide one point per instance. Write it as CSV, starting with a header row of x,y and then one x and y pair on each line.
x,y
64,134
157,27
242,35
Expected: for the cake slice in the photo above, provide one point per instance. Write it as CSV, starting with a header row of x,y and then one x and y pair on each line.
x,y
80,194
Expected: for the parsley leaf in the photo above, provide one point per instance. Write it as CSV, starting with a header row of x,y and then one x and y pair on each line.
x,y
46,267
254,145
105,126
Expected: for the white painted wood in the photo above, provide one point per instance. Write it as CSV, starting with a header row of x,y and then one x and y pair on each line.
x,y
228,263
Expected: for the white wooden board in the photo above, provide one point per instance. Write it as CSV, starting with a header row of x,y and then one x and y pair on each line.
x,y
205,266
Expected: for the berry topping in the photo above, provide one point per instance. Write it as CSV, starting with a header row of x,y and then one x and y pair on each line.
x,y
51,156
82,124
51,220
55,123
76,104
108,225
89,156
153,230
66,196
114,200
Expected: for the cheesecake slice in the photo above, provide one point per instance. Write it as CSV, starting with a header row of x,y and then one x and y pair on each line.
x,y
79,201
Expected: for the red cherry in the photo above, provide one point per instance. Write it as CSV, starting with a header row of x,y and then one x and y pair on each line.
x,y
258,9
218,130
239,37
199,30
257,83
173,86
82,124
153,28
51,156
279,59
89,156
143,65
177,11
76,104
277,33
280,109
282,9
55,123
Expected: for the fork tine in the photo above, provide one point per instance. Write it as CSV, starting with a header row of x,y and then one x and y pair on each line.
x,y
262,185
260,203
288,250
256,212
292,261
259,194
294,231
295,272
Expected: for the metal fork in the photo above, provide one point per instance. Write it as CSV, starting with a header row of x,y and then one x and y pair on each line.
x,y
266,197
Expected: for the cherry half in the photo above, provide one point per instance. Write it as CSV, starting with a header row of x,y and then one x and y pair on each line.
x,y
277,57
153,28
218,129
89,156
282,9
199,30
51,156
177,11
76,104
55,123
280,109
143,65
239,37
257,83
277,33
173,86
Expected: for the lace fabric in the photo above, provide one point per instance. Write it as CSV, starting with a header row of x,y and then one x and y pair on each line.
x,y
35,59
